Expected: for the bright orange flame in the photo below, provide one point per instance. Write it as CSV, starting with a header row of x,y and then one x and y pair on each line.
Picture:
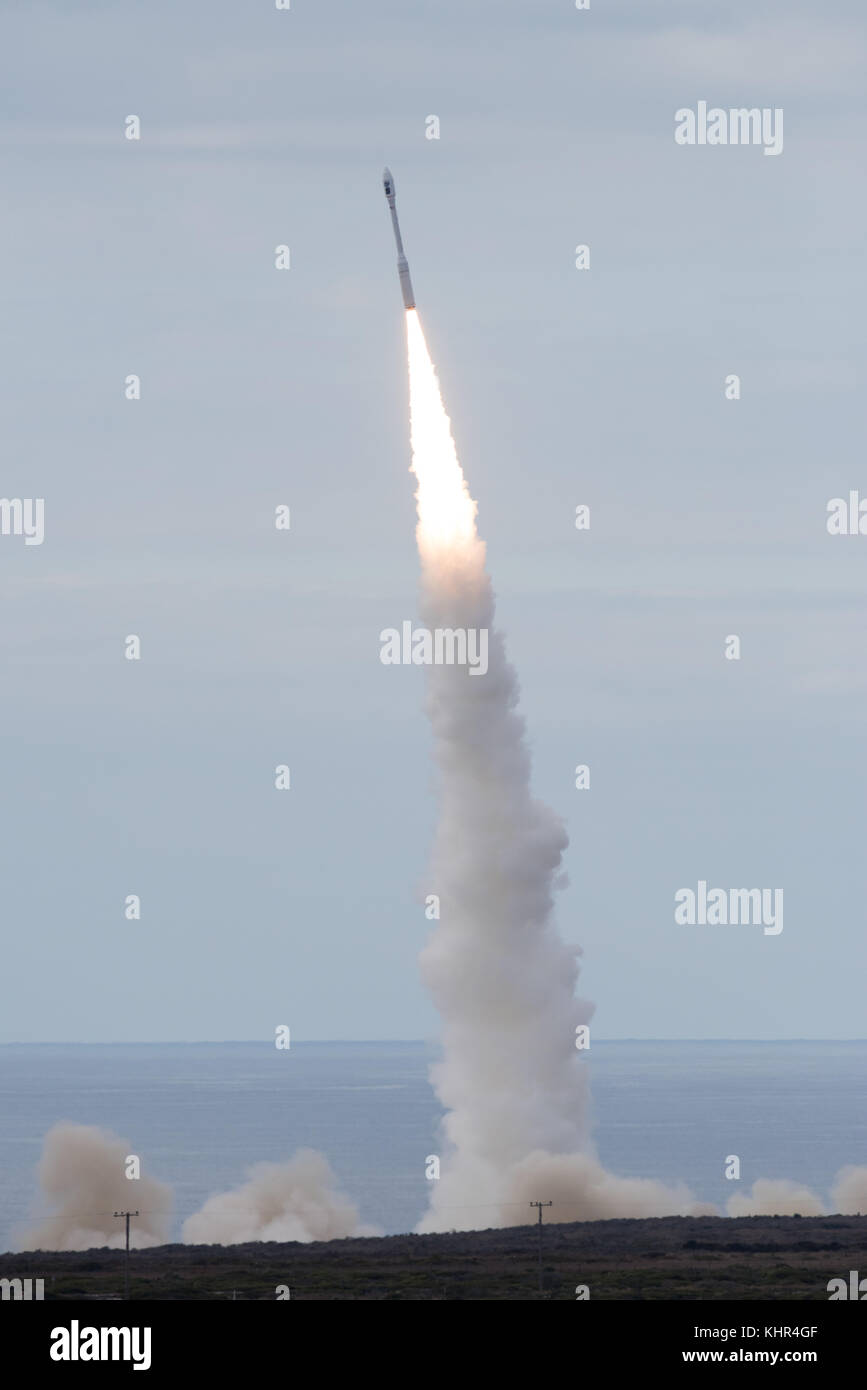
x,y
446,511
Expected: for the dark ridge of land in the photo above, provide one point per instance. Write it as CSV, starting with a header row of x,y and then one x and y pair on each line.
x,y
661,1258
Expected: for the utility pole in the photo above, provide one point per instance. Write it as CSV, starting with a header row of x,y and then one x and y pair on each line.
x,y
540,1205
128,1214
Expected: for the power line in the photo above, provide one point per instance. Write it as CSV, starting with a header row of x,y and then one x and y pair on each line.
x,y
540,1205
128,1214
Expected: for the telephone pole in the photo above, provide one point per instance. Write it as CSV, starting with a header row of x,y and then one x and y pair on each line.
x,y
540,1205
128,1214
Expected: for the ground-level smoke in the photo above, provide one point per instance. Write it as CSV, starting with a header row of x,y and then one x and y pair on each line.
x,y
83,1182
849,1193
775,1197
297,1200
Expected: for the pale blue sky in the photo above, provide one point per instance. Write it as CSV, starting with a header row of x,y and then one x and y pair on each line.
x,y
708,517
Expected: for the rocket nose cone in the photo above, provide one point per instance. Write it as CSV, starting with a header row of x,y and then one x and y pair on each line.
x,y
386,175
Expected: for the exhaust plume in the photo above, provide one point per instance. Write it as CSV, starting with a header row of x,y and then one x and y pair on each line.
x,y
82,1176
515,1090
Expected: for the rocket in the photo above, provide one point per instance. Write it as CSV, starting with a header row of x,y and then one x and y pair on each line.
x,y
402,263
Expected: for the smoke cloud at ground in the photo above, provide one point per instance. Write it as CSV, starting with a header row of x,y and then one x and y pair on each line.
x,y
775,1197
82,1180
296,1200
849,1193
82,1183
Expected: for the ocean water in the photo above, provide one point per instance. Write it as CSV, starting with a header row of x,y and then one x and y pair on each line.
x,y
199,1114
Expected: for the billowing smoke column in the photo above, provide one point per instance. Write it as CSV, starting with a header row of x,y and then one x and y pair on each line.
x,y
513,1085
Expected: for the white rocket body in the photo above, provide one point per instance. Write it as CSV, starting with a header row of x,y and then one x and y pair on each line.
x,y
402,263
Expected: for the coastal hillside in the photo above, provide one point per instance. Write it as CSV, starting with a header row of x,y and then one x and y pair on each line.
x,y
682,1258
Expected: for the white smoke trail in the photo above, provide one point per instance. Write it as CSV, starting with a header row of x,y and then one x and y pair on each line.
x,y
511,1080
297,1200
514,1088
82,1174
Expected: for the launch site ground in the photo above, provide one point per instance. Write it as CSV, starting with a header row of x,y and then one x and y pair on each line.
x,y
757,1258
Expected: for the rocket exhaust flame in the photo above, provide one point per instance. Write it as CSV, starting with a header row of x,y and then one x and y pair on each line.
x,y
447,513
